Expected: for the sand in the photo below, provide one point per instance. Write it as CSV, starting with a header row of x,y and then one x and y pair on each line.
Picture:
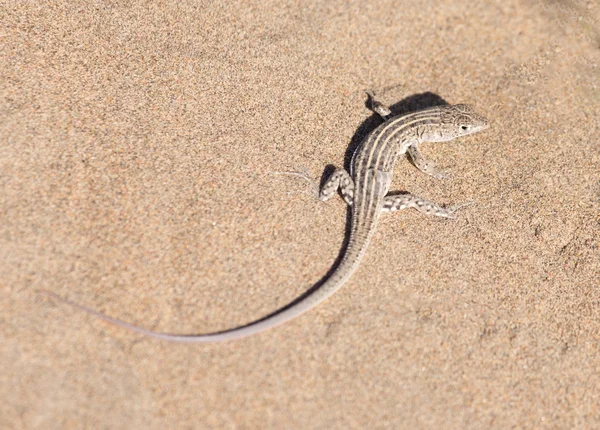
x,y
139,146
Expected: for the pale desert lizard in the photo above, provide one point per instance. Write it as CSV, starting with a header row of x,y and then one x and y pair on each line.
x,y
365,189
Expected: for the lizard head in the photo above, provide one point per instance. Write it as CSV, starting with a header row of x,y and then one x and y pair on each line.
x,y
456,121
467,120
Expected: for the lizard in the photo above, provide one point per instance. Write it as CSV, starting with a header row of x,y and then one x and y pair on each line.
x,y
365,189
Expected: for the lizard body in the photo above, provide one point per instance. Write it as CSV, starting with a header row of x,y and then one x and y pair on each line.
x,y
365,189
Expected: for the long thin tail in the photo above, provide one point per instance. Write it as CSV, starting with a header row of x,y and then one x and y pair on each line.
x,y
356,248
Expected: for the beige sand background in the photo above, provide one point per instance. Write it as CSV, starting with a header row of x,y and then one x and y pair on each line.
x,y
139,144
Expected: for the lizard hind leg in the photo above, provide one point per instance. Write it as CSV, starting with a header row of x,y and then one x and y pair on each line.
x,y
405,201
340,179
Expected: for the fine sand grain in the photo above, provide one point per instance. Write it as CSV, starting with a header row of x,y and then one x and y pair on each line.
x,y
138,146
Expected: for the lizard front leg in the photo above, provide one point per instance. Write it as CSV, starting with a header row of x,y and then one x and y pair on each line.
x,y
378,107
405,201
422,164
340,179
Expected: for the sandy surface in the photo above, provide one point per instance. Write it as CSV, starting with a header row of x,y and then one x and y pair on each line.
x,y
138,146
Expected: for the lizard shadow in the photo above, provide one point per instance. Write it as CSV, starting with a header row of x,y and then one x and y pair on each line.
x,y
405,106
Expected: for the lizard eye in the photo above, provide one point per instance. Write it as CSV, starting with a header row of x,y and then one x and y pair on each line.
x,y
464,127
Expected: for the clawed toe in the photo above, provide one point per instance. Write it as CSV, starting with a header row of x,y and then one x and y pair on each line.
x,y
304,174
